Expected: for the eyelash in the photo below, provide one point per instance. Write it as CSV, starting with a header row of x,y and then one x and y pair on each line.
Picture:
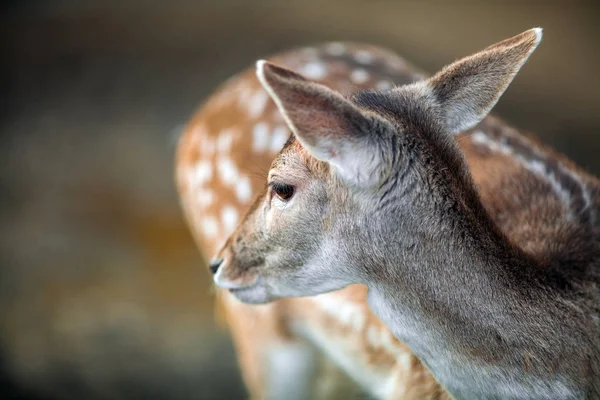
x,y
283,191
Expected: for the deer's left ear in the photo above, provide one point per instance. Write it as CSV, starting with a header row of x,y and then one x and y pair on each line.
x,y
329,126
467,89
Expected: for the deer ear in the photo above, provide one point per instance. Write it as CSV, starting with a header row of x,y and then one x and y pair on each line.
x,y
467,89
329,126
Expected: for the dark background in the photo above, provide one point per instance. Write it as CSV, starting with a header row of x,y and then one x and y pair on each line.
x,y
103,295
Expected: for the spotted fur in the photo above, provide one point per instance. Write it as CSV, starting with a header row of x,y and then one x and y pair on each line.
x,y
536,197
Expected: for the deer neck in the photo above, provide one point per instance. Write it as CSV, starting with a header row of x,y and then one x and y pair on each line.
x,y
470,305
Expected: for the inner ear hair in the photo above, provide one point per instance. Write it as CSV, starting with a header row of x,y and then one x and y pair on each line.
x,y
468,89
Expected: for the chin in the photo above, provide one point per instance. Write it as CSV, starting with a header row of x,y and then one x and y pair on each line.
x,y
256,294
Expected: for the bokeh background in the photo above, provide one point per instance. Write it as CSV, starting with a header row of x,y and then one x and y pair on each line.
x,y
103,294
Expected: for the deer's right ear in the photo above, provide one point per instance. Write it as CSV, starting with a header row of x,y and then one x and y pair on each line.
x,y
329,126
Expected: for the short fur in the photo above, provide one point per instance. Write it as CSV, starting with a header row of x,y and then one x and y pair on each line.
x,y
490,316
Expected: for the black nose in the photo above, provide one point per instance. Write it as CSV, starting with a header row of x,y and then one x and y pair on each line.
x,y
214,264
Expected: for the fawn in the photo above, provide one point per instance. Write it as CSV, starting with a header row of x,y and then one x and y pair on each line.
x,y
478,245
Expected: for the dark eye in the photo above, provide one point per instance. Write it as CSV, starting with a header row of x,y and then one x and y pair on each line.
x,y
283,191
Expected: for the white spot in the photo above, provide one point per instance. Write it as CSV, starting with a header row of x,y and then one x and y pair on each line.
x,y
202,172
397,63
222,99
385,339
346,314
244,190
210,226
359,76
199,130
227,170
363,57
336,49
260,137
205,197
257,103
373,336
208,145
244,94
194,139
225,140
537,166
313,70
586,194
404,360
481,138
280,136
229,218
383,85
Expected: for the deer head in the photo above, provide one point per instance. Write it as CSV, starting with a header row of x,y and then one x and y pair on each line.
x,y
363,179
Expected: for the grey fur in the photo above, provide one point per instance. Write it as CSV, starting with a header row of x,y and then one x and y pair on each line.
x,y
488,319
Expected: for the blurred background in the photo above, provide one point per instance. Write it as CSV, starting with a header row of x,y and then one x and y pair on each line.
x,y
103,294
